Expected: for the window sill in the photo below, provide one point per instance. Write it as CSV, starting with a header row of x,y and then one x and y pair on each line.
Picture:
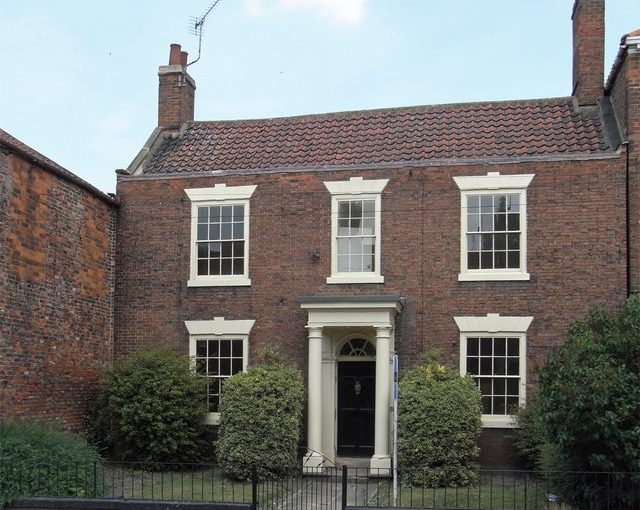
x,y
493,276
212,419
497,421
362,278
224,281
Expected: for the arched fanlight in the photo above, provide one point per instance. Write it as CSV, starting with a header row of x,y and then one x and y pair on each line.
x,y
358,347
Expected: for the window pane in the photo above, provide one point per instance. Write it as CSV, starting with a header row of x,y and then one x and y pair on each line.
x,y
236,348
513,241
343,227
499,386
201,348
203,232
214,250
368,208
486,222
512,405
238,230
473,223
225,348
486,405
486,260
238,213
498,366
513,366
513,203
203,250
513,259
225,267
356,209
499,346
500,203
356,246
203,214
500,241
512,387
486,203
343,246
238,266
485,366
368,263
472,346
225,232
500,260
343,263
368,246
513,348
227,249
201,366
473,260
499,406
225,366
368,226
236,366
473,203
343,209
226,213
487,241
238,249
500,222
356,262
203,267
485,386
355,224
214,214
213,348
513,222
214,367
473,242
485,346
472,366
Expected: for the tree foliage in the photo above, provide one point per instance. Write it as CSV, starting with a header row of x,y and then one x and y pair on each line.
x,y
151,410
439,420
589,400
38,460
260,413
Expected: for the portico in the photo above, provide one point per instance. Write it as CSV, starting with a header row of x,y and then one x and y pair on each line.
x,y
347,335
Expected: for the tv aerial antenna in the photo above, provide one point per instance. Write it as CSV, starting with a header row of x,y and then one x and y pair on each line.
x,y
196,26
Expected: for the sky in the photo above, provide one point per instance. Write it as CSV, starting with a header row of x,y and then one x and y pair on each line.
x,y
79,78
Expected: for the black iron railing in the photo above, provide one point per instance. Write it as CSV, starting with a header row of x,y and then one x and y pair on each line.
x,y
327,488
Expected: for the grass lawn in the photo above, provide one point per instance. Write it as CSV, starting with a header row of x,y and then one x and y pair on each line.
x,y
494,491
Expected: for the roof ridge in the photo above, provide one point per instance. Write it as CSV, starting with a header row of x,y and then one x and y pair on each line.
x,y
417,108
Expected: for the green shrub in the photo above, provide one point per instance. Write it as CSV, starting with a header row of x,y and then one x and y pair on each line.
x,y
530,440
151,410
260,413
439,420
37,460
589,404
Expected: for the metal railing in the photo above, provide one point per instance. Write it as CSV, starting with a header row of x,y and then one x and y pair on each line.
x,y
330,488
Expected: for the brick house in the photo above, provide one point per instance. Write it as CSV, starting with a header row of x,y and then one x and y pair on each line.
x,y
57,272
480,229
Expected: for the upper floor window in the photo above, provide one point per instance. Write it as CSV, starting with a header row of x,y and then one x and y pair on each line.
x,y
493,244
493,353
355,230
220,235
218,349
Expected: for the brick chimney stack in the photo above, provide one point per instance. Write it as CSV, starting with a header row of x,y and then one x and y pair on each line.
x,y
176,92
588,51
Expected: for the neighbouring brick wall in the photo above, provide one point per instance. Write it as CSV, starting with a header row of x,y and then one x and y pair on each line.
x,y
56,293
576,257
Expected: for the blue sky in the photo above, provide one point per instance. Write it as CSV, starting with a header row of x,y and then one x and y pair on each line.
x,y
79,80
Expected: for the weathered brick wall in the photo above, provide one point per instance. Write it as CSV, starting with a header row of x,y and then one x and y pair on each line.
x,y
576,257
56,293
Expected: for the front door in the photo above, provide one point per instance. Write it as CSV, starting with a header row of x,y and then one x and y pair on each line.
x,y
356,404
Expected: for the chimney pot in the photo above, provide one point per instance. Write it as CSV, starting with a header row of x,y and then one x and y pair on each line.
x,y
184,56
588,50
175,55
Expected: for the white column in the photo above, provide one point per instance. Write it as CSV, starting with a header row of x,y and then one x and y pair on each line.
x,y
381,459
313,458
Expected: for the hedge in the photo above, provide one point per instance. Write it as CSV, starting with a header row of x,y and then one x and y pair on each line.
x,y
439,421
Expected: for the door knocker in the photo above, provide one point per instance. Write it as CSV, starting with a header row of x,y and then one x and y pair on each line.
x,y
357,387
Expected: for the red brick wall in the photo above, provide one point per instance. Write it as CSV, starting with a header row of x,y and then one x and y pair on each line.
x,y
576,257
56,293
588,50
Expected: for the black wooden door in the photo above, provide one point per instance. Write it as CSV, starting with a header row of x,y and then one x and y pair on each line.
x,y
356,405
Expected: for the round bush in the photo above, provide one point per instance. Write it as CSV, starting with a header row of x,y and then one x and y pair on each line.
x,y
151,410
37,460
439,420
260,413
589,405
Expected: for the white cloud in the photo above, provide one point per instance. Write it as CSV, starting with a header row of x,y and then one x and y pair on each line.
x,y
341,11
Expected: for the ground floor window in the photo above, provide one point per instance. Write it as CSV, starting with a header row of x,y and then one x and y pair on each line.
x,y
493,353
217,360
218,349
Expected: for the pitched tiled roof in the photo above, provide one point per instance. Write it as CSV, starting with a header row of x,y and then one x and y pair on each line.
x,y
544,127
27,152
